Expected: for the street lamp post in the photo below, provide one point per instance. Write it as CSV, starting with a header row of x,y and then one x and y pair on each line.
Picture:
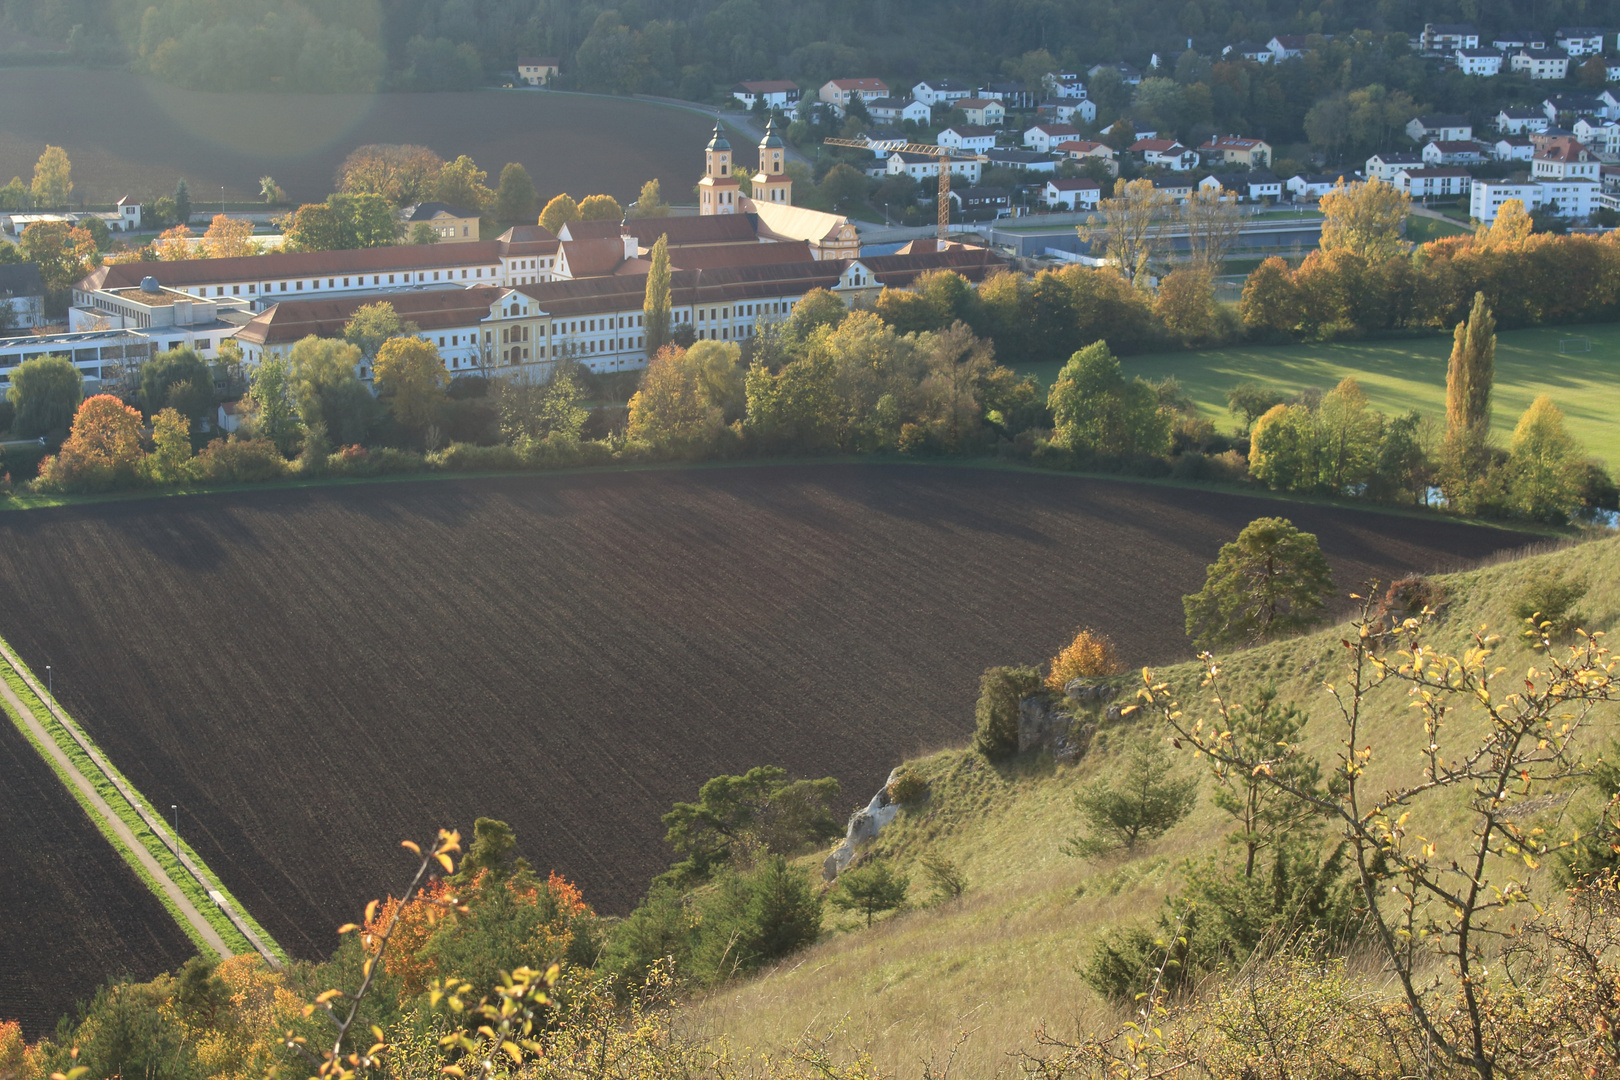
x,y
175,809
50,683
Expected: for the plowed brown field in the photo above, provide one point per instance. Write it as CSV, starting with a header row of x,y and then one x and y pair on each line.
x,y
75,913
313,675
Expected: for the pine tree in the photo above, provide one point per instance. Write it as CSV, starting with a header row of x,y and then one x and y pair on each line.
x,y
182,202
658,302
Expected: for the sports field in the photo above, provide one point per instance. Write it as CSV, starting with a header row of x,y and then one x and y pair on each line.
x,y
1411,374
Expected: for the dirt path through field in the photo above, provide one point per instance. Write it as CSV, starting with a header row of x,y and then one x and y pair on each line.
x,y
105,812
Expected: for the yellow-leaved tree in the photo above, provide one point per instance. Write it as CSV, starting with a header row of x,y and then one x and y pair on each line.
x,y
229,238
1366,218
412,378
1089,655
104,448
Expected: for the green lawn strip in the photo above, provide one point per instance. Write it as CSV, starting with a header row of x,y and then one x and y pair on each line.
x,y
157,846
1410,373
102,826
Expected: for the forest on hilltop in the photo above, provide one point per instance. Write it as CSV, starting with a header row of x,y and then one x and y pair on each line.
x,y
689,47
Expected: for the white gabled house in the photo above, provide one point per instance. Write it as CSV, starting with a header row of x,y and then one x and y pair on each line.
x,y
968,137
1384,166
1445,127
1075,194
892,111
1452,153
1519,121
1565,161
1165,153
1434,183
1042,137
1580,40
1481,62
941,92
1541,64
1508,148
1600,135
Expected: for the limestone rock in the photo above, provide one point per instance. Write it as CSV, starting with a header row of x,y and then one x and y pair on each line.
x,y
863,826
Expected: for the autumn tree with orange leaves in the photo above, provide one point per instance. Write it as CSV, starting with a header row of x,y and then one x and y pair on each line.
x,y
103,448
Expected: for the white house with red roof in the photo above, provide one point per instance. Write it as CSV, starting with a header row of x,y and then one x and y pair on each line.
x,y
1165,153
1083,149
775,93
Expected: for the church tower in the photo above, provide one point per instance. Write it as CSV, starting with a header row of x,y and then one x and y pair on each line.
x,y
717,191
772,184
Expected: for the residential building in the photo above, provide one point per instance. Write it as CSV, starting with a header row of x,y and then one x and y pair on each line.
x,y
941,92
1128,75
1449,37
1042,137
1541,63
1553,136
1012,95
1064,84
1082,149
1483,62
1611,70
1452,153
1232,150
982,203
775,93
450,225
968,137
1288,46
893,110
1384,166
1179,188
1508,148
537,70
1573,105
1573,199
1522,39
1248,50
1076,194
1259,185
1517,121
1566,161
1433,183
839,91
1166,154
1305,187
1580,40
1601,136
926,166
1449,127
983,112
1023,160
23,291
1064,110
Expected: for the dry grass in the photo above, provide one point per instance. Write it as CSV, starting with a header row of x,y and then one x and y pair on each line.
x,y
1003,961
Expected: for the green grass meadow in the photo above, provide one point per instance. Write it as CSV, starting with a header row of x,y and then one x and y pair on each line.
x,y
1411,374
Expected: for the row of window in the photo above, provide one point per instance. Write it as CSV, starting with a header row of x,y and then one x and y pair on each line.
x,y
359,281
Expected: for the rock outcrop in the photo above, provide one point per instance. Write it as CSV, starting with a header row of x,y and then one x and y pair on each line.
x,y
864,825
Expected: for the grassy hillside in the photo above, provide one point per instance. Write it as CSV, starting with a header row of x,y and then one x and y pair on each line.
x,y
1003,960
1411,374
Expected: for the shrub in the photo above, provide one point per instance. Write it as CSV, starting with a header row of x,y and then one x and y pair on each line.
x,y
1143,802
1407,597
359,461
1089,655
949,883
908,787
996,715
466,457
240,461
1550,599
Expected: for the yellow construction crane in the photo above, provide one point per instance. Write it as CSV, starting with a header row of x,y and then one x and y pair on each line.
x,y
943,153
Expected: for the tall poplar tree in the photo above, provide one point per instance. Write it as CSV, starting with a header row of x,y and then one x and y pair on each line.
x,y
1469,376
1471,372
658,302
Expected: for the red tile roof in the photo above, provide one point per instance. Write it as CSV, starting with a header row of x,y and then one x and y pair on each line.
x,y
429,309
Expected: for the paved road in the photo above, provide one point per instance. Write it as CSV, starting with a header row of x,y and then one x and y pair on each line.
x,y
99,806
